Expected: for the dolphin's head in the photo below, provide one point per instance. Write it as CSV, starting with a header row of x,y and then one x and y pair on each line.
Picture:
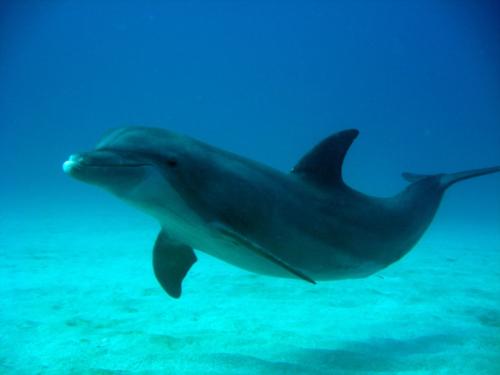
x,y
139,165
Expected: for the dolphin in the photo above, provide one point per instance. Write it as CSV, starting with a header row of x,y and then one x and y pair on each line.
x,y
307,224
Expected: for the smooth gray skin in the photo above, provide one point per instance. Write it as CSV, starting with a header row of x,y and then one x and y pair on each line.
x,y
306,224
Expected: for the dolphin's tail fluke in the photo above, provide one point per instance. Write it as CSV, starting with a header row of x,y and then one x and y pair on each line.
x,y
448,179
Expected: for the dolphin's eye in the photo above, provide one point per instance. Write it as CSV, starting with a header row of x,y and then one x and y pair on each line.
x,y
171,162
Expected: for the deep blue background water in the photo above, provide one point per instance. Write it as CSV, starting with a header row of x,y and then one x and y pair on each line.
x,y
268,80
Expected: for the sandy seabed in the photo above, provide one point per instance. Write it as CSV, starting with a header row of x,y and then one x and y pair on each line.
x,y
79,297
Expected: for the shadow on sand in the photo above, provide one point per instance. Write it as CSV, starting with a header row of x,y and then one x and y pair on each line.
x,y
378,355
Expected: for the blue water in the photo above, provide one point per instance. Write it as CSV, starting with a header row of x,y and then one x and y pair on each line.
x,y
267,80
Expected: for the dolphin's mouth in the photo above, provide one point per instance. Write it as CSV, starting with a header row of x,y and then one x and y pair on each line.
x,y
99,159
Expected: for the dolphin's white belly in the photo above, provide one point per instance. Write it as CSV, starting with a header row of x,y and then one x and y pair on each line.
x,y
206,237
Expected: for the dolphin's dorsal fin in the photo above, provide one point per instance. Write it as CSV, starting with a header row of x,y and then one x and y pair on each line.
x,y
323,164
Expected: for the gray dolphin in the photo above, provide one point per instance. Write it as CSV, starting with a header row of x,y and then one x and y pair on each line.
x,y
307,224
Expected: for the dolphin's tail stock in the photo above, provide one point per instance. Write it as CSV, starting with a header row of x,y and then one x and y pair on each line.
x,y
448,179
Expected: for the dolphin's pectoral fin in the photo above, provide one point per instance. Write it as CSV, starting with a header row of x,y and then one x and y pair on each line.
x,y
245,242
171,262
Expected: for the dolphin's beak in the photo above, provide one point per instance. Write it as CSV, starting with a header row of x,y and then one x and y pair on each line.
x,y
101,159
73,161
107,168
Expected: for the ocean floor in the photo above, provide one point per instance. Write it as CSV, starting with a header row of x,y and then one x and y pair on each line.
x,y
79,297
